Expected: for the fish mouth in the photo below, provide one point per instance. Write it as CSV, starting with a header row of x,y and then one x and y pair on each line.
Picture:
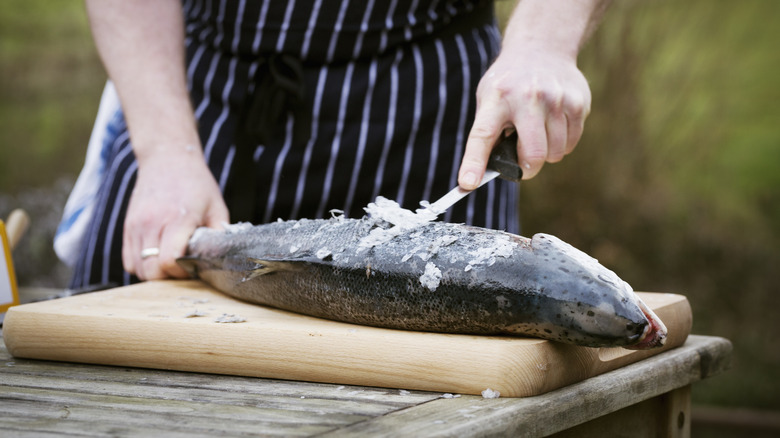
x,y
654,334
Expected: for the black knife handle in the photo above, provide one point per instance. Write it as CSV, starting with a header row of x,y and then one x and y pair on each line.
x,y
503,159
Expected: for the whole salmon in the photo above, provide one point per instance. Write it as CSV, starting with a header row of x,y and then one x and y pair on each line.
x,y
396,269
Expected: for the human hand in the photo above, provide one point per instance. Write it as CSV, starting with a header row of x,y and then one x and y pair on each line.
x,y
541,94
172,197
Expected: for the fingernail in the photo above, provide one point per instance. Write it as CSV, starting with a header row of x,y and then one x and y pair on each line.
x,y
470,179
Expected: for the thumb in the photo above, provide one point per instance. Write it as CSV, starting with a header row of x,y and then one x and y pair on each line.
x,y
482,138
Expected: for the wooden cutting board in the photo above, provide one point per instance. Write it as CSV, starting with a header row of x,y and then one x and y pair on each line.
x,y
154,325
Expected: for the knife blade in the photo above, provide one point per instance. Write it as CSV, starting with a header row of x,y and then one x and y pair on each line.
x,y
502,163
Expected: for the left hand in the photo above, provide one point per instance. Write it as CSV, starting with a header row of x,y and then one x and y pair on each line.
x,y
541,94
173,195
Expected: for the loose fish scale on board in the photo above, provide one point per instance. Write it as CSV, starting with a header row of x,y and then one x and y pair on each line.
x,y
427,276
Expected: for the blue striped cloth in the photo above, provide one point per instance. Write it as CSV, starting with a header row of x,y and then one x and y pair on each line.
x,y
80,207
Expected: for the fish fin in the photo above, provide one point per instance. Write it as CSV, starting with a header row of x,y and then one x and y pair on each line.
x,y
265,267
189,264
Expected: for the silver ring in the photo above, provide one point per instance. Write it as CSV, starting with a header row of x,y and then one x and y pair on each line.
x,y
149,252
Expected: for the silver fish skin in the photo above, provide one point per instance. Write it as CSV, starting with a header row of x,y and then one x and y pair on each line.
x,y
435,276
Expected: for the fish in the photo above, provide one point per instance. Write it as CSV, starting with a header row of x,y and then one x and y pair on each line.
x,y
398,269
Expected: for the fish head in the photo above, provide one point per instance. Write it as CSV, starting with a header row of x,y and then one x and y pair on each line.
x,y
595,304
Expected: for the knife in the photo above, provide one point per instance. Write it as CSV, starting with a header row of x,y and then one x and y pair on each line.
x,y
502,163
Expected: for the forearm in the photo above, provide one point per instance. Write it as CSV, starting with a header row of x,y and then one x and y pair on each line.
x,y
141,43
560,26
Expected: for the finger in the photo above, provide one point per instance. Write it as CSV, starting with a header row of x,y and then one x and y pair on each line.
x,y
488,125
557,128
574,133
172,246
146,265
149,265
532,142
576,112
150,268
128,259
132,245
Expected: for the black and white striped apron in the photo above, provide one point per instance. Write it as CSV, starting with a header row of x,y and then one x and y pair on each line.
x,y
360,98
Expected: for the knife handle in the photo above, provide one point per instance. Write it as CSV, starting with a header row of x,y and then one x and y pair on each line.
x,y
503,158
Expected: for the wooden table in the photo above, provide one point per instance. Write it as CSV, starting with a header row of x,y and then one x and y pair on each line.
x,y
40,398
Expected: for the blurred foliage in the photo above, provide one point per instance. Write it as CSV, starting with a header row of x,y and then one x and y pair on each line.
x,y
50,83
674,184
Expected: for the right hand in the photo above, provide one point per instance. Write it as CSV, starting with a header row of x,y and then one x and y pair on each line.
x,y
173,196
540,94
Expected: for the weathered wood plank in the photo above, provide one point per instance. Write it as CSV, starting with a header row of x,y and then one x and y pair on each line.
x,y
557,410
40,397
665,416
137,413
312,402
263,411
81,374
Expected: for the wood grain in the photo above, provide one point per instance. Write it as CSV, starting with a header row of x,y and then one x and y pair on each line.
x,y
146,325
38,398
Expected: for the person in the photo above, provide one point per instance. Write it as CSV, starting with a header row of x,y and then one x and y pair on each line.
x,y
257,110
